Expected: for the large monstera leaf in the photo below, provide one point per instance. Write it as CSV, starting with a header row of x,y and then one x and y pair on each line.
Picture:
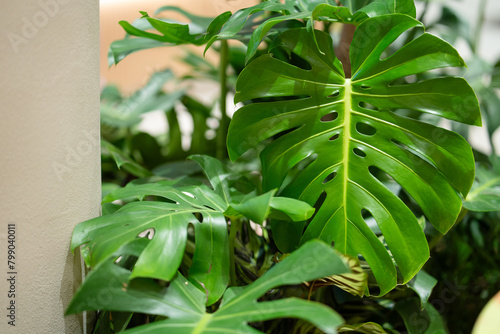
x,y
349,138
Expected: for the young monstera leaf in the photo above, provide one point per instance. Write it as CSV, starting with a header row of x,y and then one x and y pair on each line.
x,y
346,133
184,304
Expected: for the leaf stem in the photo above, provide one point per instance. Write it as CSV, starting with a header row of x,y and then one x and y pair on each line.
x,y
479,25
224,120
235,227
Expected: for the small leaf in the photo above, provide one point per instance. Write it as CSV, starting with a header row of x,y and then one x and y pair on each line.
x,y
124,161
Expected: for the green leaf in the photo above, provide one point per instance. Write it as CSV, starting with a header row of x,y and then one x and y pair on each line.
x,y
124,161
216,173
165,223
422,284
198,32
485,192
348,130
418,321
184,304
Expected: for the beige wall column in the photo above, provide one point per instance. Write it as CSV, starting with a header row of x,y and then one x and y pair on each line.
x,y
49,156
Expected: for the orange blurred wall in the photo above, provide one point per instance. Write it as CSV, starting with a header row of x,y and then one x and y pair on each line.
x,y
133,72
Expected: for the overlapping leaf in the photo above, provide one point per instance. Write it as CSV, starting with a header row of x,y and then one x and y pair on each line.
x,y
184,304
198,32
166,222
351,136
203,30
319,10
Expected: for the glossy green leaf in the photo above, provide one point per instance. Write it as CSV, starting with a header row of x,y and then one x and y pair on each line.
x,y
165,223
350,134
485,192
422,284
184,305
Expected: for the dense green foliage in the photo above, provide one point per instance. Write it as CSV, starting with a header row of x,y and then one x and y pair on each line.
x,y
357,186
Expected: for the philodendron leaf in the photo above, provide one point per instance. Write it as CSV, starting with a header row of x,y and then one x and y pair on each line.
x,y
485,192
184,305
350,136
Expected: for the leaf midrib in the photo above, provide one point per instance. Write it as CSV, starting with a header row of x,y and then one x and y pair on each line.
x,y
346,140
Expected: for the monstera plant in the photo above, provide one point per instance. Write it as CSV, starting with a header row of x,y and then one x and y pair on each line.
x,y
353,167
349,127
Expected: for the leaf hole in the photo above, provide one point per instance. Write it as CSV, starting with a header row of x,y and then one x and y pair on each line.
x,y
198,216
330,117
359,152
384,178
282,133
188,194
365,87
149,233
367,106
334,94
365,129
334,137
330,177
209,207
299,62
399,144
370,221
318,204
276,99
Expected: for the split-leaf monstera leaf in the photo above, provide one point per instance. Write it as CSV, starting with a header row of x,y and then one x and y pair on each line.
x,y
348,132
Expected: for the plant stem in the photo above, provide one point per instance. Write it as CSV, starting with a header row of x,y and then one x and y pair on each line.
x,y
221,152
235,227
479,25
